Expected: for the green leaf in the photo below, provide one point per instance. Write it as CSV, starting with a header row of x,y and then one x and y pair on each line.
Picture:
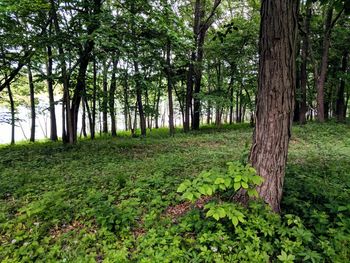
x,y
227,182
236,186
245,185
253,193
234,221
184,186
216,216
219,181
209,190
188,196
202,190
221,212
238,178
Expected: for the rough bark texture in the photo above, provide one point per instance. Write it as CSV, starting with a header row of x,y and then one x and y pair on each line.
x,y
275,101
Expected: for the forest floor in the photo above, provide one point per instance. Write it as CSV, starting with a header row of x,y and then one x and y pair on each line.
x,y
115,200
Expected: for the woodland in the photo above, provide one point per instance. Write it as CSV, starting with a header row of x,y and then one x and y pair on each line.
x,y
174,131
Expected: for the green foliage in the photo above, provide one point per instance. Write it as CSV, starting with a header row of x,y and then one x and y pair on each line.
x,y
208,183
60,204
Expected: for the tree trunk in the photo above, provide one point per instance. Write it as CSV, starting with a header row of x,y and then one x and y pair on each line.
x,y
112,97
340,104
12,107
189,91
170,89
139,99
275,100
105,98
53,125
324,65
83,121
231,96
126,103
67,135
93,122
303,66
84,58
32,103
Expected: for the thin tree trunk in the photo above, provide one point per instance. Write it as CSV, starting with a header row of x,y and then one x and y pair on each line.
x,y
105,98
275,100
94,91
53,125
83,120
12,107
324,65
303,66
67,130
139,99
340,104
170,90
32,103
231,96
112,97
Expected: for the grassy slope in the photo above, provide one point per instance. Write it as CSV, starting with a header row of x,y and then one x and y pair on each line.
x,y
106,199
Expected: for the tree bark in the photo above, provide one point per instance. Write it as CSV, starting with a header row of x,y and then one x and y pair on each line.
x,y
170,89
139,99
93,122
340,103
32,103
53,124
303,66
12,107
84,59
105,98
112,98
67,130
321,78
275,100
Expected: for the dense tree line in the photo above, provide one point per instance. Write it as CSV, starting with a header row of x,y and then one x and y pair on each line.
x,y
205,58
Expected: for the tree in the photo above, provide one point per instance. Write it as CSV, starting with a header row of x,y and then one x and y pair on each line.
x,y
275,99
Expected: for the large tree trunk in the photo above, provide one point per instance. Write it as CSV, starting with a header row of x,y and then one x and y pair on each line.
x,y
53,125
340,104
112,97
32,103
303,66
275,101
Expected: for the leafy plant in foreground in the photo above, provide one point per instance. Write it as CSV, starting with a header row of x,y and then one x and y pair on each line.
x,y
237,177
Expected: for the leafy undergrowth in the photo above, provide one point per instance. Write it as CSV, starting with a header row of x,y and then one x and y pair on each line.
x,y
115,200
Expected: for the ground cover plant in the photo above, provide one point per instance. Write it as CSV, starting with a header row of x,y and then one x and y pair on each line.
x,y
116,200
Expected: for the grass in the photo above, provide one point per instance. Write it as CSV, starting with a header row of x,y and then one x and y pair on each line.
x,y
106,200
